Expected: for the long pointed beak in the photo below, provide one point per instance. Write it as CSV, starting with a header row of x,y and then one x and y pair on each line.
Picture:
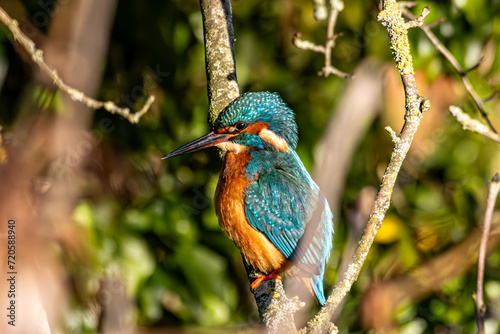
x,y
208,140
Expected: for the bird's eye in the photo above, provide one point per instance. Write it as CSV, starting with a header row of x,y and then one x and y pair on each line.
x,y
241,126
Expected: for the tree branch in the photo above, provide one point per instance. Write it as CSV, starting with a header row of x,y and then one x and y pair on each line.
x,y
419,21
220,61
415,105
493,189
454,63
275,309
76,95
473,125
336,6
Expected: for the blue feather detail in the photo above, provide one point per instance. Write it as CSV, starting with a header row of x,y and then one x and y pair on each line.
x,y
282,201
261,107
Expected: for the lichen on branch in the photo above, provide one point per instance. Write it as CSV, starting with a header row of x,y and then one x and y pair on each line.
x,y
415,105
222,83
392,19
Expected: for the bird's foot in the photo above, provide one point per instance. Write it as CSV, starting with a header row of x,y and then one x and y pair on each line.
x,y
262,278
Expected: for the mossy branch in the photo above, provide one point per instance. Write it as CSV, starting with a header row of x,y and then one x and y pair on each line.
x,y
415,105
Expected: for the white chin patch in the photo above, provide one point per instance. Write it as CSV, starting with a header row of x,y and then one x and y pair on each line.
x,y
231,147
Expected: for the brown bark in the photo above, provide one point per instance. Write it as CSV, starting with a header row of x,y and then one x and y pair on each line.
x,y
220,61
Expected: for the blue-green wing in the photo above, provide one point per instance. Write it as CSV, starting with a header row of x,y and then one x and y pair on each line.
x,y
283,206
286,205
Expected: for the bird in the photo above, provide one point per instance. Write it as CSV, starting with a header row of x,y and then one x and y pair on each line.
x,y
265,199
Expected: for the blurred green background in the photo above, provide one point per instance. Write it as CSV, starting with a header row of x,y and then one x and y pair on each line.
x,y
151,223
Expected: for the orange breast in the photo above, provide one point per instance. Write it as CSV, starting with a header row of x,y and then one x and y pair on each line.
x,y
255,247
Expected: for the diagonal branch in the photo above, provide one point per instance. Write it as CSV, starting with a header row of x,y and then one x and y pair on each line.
x,y
453,61
419,21
473,125
390,17
76,95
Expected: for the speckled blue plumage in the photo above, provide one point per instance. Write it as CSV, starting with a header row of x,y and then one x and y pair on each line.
x,y
261,107
281,200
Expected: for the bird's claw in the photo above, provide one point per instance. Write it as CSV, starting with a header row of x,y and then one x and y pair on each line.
x,y
262,278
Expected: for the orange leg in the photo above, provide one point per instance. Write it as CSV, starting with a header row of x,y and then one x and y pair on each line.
x,y
263,278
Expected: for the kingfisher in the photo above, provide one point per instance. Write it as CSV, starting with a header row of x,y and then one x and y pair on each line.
x,y
265,199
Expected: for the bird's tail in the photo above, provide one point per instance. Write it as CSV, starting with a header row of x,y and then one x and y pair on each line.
x,y
306,287
317,286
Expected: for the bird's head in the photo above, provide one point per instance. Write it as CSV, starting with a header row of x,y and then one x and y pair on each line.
x,y
253,121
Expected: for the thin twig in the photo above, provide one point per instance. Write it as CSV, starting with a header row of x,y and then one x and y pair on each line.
x,y
407,4
491,97
452,60
473,125
493,189
474,67
336,6
419,21
436,23
306,45
390,17
76,95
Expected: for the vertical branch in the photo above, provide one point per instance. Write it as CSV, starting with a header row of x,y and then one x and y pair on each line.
x,y
390,17
493,189
222,84
275,309
336,6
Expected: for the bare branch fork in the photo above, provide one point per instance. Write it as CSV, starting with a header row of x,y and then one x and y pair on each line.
x,y
76,95
454,63
336,6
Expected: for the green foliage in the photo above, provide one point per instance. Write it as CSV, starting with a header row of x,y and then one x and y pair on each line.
x,y
158,229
